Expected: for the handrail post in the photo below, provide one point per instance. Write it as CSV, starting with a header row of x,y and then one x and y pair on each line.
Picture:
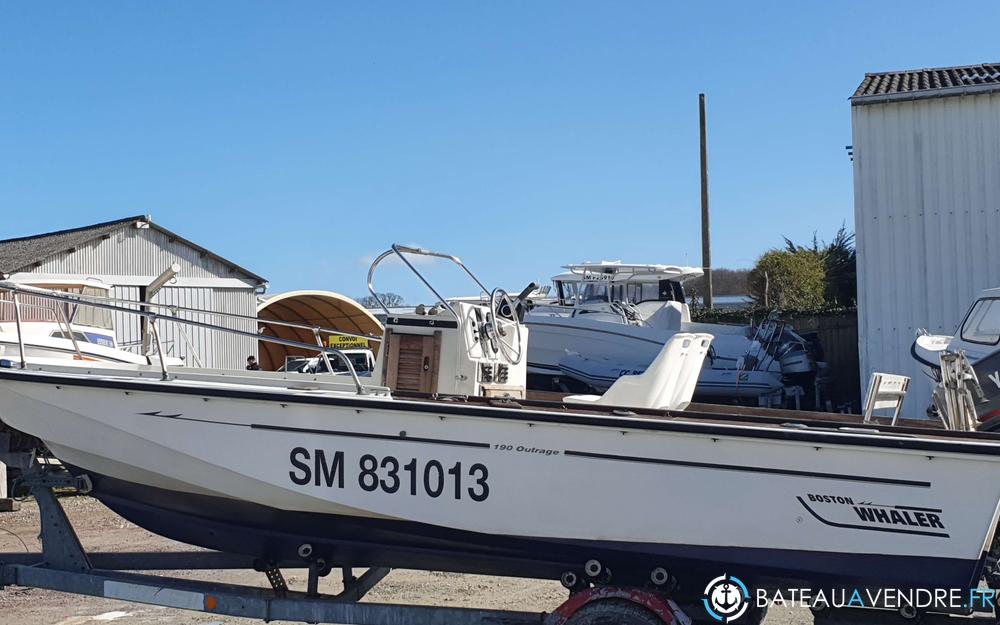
x,y
20,335
159,348
350,369
347,361
69,330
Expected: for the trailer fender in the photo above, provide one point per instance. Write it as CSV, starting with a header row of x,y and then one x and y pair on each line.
x,y
665,610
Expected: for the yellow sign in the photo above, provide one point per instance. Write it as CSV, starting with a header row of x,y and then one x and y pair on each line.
x,y
338,341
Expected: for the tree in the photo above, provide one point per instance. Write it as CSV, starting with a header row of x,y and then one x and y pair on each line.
x,y
789,279
840,260
391,300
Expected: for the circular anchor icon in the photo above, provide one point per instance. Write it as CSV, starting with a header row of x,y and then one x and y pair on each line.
x,y
726,598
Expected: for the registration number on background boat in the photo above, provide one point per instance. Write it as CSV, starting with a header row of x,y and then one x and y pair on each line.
x,y
389,474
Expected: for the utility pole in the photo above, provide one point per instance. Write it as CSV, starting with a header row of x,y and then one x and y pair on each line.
x,y
706,239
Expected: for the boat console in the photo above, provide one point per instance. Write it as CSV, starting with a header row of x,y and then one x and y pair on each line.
x,y
453,347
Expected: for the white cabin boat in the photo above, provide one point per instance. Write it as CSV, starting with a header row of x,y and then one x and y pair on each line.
x,y
606,319
977,336
63,331
977,339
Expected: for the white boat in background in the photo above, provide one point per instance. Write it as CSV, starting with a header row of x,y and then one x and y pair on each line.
x,y
439,461
977,343
978,335
606,319
63,331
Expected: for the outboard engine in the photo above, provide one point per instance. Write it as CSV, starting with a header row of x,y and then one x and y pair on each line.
x,y
794,356
791,351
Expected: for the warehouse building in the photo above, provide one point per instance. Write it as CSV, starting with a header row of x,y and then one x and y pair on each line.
x,y
128,254
927,208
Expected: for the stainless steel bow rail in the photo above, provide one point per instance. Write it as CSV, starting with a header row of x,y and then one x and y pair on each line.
x,y
149,310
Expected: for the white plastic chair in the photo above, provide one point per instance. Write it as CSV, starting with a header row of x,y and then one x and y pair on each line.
x,y
687,380
886,391
667,384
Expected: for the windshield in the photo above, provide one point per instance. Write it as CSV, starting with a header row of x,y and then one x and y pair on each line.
x,y
633,292
35,308
566,292
362,362
982,324
594,293
90,316
638,292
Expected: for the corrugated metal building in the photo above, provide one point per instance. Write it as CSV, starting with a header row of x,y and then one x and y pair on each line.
x,y
128,254
927,208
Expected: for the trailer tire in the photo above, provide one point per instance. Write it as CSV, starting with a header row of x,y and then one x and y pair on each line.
x,y
614,612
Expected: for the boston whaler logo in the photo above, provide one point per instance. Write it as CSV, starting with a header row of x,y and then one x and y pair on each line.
x,y
726,598
160,413
848,512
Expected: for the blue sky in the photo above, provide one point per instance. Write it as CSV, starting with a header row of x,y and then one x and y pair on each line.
x,y
300,139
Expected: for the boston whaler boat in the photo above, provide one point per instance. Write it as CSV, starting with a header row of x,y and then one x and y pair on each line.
x,y
441,462
607,319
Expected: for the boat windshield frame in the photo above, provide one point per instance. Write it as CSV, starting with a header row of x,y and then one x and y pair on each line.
x,y
47,311
401,251
615,274
570,292
982,309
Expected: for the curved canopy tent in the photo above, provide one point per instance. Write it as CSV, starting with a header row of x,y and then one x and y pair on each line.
x,y
324,309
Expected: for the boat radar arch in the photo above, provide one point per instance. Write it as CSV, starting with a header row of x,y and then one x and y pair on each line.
x,y
617,271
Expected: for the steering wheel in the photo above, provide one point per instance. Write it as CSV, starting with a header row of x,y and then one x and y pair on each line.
x,y
500,303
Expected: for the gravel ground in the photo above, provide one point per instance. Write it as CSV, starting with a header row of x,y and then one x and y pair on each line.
x,y
102,530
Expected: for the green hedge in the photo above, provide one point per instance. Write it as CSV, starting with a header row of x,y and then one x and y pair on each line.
x,y
755,314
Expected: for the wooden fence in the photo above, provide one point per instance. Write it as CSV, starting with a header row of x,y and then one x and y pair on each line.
x,y
837,334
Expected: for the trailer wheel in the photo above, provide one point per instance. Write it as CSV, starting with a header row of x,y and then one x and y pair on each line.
x,y
614,612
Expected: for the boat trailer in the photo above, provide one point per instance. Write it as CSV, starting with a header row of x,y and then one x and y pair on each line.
x,y
63,565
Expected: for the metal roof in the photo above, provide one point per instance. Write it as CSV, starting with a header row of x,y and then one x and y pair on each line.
x,y
22,253
927,83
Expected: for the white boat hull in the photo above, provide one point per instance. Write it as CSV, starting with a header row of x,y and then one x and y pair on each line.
x,y
55,349
629,349
514,491
600,374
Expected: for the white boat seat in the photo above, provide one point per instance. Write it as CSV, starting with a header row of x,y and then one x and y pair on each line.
x,y
667,384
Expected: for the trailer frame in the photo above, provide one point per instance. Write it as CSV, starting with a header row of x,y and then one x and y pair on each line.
x,y
65,566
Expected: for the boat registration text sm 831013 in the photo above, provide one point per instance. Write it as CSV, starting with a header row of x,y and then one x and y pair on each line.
x,y
389,474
